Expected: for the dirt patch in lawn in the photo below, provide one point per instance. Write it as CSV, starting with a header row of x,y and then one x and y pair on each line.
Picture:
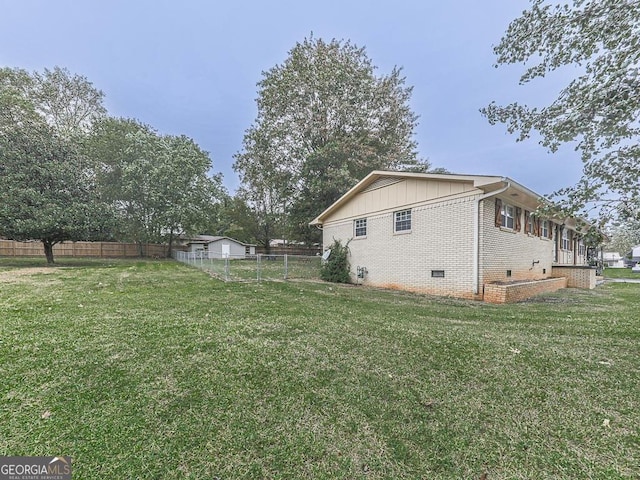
x,y
23,274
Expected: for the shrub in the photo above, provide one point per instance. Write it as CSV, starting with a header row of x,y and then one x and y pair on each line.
x,y
336,268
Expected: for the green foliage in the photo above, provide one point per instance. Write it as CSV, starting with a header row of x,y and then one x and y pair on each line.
x,y
240,220
47,187
68,171
159,185
598,110
336,268
67,102
624,236
325,120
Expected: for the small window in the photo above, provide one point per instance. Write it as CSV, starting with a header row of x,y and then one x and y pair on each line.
x,y
582,250
508,215
402,221
545,228
360,227
437,273
508,273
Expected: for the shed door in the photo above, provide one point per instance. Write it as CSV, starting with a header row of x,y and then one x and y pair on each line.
x,y
226,250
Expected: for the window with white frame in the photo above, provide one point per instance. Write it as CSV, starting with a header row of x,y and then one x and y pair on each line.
x,y
530,224
545,229
565,239
402,221
508,215
360,227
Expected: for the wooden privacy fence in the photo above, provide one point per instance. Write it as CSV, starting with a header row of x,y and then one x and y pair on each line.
x,y
307,251
10,248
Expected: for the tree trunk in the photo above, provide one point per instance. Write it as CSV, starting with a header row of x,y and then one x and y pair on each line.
x,y
48,250
170,244
267,239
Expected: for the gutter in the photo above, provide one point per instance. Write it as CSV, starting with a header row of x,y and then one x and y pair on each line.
x,y
476,233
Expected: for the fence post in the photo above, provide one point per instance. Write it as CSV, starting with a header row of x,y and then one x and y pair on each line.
x,y
226,269
258,266
286,266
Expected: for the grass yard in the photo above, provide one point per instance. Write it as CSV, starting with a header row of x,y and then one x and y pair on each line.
x,y
269,267
142,369
620,273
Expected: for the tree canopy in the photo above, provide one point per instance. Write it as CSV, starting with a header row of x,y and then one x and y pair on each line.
x,y
158,184
47,187
598,111
69,172
624,236
325,120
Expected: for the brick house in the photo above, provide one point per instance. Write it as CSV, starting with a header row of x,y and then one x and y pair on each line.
x,y
447,234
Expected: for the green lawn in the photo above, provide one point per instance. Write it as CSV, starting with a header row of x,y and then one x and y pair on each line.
x,y
268,267
141,369
620,273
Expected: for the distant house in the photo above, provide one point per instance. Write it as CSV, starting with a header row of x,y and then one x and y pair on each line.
x,y
634,255
451,235
613,260
283,243
209,246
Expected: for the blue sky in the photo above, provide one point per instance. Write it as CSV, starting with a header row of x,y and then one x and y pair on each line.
x,y
191,67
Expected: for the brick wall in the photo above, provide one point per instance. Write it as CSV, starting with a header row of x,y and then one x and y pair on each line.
x,y
440,239
502,249
496,293
577,276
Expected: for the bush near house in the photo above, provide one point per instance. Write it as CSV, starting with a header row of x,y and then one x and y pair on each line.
x,y
336,268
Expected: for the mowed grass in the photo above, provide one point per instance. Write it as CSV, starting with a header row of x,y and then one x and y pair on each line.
x,y
141,369
620,273
270,267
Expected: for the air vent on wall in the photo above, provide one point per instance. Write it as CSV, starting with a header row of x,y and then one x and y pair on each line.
x,y
382,182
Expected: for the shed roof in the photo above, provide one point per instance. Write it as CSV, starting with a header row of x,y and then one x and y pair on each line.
x,y
214,238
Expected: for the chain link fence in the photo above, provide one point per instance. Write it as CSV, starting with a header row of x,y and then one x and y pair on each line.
x,y
259,267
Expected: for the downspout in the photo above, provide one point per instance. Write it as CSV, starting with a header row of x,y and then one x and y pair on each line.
x,y
476,234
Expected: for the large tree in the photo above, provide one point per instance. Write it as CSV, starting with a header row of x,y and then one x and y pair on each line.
x,y
69,103
325,120
47,187
267,190
598,110
624,235
158,184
